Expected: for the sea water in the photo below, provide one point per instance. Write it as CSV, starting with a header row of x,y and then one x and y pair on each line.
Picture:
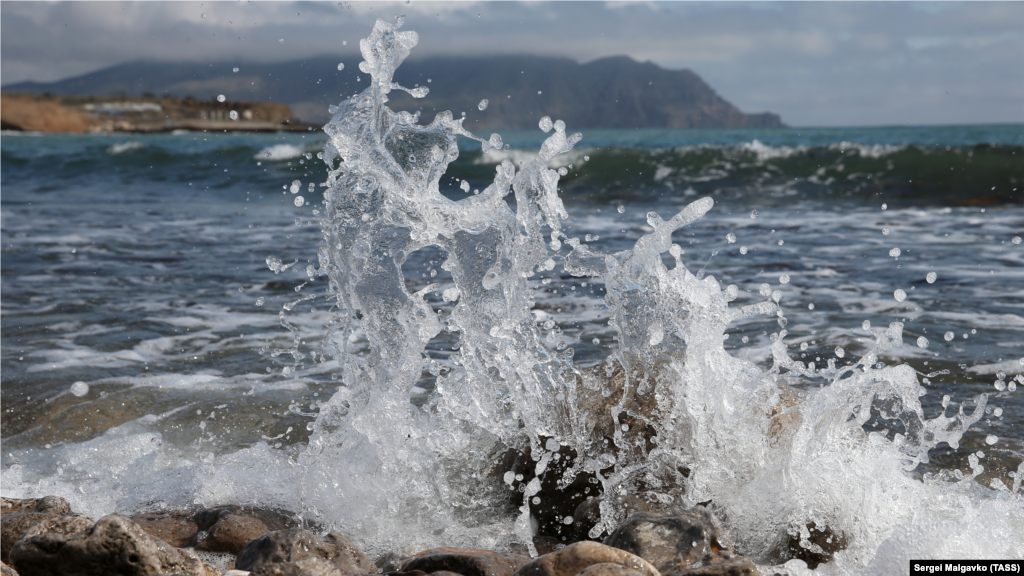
x,y
815,325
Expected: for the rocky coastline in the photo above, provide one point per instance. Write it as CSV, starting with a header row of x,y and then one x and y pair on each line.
x,y
44,537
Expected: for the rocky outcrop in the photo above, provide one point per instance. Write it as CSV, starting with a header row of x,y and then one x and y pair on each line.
x,y
577,557
114,545
465,561
298,544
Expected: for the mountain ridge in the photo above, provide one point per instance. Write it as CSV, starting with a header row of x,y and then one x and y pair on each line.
x,y
611,92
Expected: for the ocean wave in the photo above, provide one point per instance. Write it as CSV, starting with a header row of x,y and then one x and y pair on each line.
x,y
280,152
122,147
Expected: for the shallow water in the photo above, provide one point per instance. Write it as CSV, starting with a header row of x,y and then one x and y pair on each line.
x,y
137,264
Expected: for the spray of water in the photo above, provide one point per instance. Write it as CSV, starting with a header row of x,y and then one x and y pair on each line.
x,y
670,415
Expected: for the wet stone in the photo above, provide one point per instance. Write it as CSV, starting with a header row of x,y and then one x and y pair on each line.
x,y
297,544
670,542
114,545
736,566
465,561
176,527
609,569
13,527
54,504
305,567
62,525
819,548
577,557
231,533
6,570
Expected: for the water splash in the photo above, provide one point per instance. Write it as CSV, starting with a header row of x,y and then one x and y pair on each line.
x,y
670,415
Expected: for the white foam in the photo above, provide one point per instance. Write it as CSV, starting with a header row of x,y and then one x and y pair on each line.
x,y
280,152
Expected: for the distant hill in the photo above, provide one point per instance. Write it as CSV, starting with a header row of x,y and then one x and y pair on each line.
x,y
615,92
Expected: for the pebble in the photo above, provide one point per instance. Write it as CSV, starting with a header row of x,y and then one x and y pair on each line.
x,y
465,561
575,558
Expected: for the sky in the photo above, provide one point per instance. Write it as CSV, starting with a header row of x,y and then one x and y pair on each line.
x,y
814,63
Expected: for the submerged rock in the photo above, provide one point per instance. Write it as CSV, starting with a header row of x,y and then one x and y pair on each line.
x,y
54,504
114,545
465,561
296,544
735,566
175,527
577,557
671,542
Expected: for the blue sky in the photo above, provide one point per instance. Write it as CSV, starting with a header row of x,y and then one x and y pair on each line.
x,y
815,63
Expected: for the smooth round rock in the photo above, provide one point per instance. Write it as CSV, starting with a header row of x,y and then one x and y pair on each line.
x,y
175,527
231,533
465,561
577,557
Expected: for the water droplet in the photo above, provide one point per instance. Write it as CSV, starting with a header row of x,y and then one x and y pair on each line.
x,y
567,520
296,185
997,412
596,341
312,187
1016,240
991,439
885,206
299,201
281,40
784,279
221,98
765,289
781,242
922,342
930,278
866,325
562,171
341,65
948,336
261,301
885,231
233,115
587,159
203,16
840,352
895,252
621,208
235,69
745,339
545,124
753,214
483,104
900,295
810,306
743,249
79,388
730,238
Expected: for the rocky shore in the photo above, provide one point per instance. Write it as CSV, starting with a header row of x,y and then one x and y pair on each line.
x,y
90,114
44,537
